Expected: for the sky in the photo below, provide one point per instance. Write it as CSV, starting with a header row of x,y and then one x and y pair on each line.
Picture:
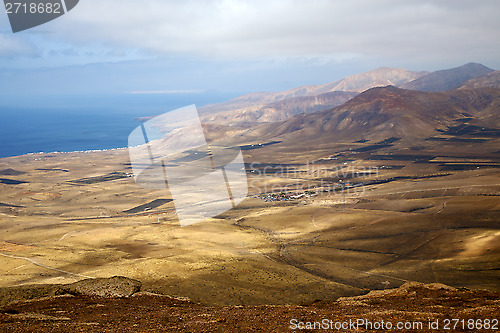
x,y
170,46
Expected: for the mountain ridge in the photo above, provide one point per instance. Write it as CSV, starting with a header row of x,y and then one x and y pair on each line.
x,y
490,80
251,107
281,110
381,76
265,107
384,112
448,79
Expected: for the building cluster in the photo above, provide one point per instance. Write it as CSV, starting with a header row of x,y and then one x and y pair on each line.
x,y
284,196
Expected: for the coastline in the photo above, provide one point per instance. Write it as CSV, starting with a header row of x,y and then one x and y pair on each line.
x,y
68,152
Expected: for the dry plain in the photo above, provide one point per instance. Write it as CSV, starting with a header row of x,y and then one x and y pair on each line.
x,y
320,226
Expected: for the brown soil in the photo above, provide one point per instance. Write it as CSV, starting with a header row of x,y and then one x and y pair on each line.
x,y
412,303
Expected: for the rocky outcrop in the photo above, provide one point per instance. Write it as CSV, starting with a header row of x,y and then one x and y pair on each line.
x,y
116,286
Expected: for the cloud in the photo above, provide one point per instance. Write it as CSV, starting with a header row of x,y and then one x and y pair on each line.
x,y
13,47
258,28
245,45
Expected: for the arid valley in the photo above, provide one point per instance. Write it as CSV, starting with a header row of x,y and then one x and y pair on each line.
x,y
390,184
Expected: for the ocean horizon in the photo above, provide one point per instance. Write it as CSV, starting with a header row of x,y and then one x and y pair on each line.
x,y
86,123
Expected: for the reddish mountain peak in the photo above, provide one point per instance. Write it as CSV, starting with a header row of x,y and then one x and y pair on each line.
x,y
390,112
383,98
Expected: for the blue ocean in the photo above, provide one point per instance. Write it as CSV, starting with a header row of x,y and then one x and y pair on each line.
x,y
77,123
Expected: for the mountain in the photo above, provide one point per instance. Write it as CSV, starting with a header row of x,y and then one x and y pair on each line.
x,y
280,110
379,77
491,80
359,82
264,106
381,113
447,79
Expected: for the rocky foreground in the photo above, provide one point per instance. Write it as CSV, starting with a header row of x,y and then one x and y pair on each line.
x,y
118,305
